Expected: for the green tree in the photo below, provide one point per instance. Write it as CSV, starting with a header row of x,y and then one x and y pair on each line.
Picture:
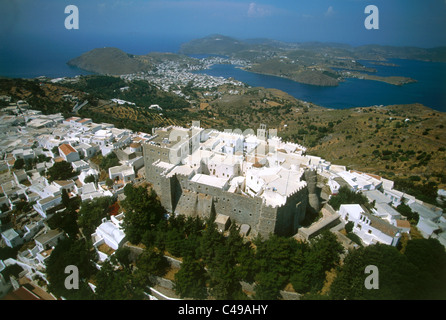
x,y
65,198
323,255
347,196
174,242
224,269
152,262
349,226
117,284
142,212
55,151
60,171
274,259
190,280
406,211
111,160
90,178
122,255
211,240
429,256
70,252
19,164
92,212
65,220
398,278
109,182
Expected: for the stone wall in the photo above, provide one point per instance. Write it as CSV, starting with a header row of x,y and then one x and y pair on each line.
x,y
179,195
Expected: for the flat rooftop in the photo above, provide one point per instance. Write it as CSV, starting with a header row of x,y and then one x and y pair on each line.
x,y
210,180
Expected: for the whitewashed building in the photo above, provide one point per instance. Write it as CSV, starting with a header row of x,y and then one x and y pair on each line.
x,y
109,235
369,228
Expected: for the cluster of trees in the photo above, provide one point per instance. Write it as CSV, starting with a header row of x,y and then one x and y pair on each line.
x,y
142,93
406,211
29,163
110,160
215,264
60,171
347,196
115,280
417,273
219,263
425,191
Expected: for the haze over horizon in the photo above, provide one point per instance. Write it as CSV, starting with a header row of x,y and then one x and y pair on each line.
x,y
401,22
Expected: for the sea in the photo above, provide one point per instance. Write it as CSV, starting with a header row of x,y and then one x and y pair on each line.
x,y
31,57
429,90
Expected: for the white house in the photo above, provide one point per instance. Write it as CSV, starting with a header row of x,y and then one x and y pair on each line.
x,y
80,165
222,166
49,239
87,150
108,234
68,153
231,142
20,176
428,228
90,172
72,122
67,185
386,212
124,173
89,191
369,228
43,205
12,238
402,225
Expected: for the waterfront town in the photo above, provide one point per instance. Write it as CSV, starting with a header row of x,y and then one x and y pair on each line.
x,y
256,181
171,75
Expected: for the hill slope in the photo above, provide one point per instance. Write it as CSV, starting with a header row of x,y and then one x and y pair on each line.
x,y
110,61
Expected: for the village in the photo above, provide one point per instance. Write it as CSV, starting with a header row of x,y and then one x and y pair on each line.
x,y
170,76
32,143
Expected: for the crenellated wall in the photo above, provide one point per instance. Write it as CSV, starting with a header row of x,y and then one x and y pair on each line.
x,y
180,195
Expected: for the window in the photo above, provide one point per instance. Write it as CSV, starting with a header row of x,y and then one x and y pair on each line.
x,y
370,231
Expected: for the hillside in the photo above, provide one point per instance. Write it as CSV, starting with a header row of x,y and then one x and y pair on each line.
x,y
220,44
401,142
215,44
320,64
44,96
109,61
405,143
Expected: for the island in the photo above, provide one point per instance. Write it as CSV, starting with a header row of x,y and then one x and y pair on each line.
x,y
319,64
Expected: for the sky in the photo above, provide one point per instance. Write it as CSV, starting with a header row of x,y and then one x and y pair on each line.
x,y
401,22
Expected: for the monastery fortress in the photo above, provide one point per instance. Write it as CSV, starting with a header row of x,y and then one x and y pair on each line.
x,y
256,181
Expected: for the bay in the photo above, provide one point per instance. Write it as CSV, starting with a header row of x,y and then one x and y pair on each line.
x,y
429,90
30,57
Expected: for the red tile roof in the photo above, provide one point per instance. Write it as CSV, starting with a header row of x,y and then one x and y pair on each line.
x,y
66,149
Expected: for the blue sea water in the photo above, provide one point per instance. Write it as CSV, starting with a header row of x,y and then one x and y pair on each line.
x,y
429,90
30,57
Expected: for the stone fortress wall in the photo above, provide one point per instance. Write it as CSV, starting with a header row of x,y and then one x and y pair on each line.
x,y
180,195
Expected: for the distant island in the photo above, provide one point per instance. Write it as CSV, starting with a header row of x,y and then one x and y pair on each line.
x,y
319,64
